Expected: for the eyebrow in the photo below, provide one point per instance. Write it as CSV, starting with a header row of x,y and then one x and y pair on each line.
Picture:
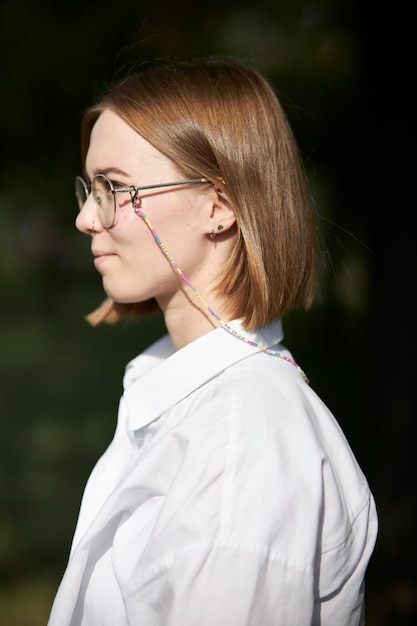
x,y
109,170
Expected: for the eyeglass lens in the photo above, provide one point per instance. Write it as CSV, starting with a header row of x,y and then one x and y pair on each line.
x,y
103,197
104,200
81,192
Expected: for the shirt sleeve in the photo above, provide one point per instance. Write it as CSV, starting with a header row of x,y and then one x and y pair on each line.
x,y
266,494
222,584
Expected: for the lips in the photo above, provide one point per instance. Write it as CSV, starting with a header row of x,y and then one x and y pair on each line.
x,y
98,253
101,256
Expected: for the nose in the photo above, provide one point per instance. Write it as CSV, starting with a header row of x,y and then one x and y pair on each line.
x,y
87,221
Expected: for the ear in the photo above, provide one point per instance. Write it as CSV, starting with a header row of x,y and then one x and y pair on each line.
x,y
222,216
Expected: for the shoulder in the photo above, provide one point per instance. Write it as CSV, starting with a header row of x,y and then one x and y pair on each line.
x,y
281,429
268,395
273,393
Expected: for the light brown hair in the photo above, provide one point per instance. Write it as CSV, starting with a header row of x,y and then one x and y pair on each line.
x,y
221,120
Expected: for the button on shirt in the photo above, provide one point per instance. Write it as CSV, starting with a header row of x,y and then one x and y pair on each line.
x,y
229,496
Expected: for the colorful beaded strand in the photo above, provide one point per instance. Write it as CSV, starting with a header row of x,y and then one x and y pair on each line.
x,y
224,325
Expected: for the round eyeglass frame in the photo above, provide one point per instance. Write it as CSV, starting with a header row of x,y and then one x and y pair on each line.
x,y
83,190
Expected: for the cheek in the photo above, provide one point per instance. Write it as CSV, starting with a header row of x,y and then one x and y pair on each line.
x,y
170,221
138,244
126,213
161,227
129,227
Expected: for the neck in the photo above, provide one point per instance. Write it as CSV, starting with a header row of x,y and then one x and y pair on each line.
x,y
189,318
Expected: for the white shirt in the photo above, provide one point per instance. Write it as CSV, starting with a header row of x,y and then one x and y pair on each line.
x,y
228,497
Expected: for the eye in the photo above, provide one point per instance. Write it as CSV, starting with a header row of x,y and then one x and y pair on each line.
x,y
119,186
101,191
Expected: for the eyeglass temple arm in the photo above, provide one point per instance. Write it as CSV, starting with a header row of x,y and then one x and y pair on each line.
x,y
134,189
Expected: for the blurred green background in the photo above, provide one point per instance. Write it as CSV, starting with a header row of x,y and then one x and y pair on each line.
x,y
343,69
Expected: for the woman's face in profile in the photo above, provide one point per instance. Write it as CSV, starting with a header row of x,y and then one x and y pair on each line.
x,y
132,265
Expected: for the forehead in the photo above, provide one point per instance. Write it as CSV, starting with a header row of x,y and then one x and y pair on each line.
x,y
113,142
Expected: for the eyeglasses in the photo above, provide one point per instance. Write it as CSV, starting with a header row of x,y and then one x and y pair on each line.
x,y
104,194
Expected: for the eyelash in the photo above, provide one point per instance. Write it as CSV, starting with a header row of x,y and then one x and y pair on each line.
x,y
117,185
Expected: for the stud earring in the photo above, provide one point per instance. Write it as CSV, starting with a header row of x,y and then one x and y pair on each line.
x,y
92,226
213,234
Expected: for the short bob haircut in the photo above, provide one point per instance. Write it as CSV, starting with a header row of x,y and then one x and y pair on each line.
x,y
221,120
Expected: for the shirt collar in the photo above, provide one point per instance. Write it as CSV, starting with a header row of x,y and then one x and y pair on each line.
x,y
161,377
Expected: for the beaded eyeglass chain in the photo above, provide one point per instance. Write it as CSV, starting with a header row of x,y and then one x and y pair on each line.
x,y
223,324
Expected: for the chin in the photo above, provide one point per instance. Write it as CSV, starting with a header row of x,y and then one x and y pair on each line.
x,y
127,299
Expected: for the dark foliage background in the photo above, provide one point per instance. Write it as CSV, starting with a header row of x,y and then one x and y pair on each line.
x,y
343,69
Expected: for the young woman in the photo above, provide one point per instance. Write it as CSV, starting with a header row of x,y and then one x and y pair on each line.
x,y
229,495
